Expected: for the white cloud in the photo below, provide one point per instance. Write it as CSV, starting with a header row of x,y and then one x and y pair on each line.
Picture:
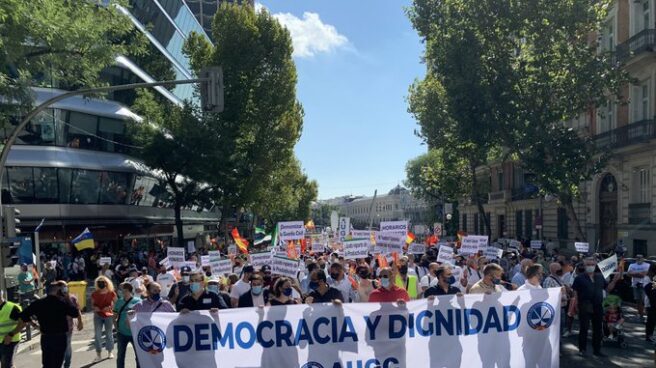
x,y
310,35
259,7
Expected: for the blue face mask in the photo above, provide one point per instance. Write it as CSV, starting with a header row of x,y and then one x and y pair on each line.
x,y
64,290
313,285
195,287
256,290
213,289
155,297
385,282
287,291
451,280
496,281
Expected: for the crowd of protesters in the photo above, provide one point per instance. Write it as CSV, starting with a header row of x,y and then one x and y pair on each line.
x,y
139,283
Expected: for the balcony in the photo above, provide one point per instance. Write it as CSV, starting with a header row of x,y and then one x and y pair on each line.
x,y
639,213
634,133
643,41
498,197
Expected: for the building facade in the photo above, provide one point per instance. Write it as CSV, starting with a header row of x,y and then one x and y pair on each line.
x,y
71,165
617,204
204,10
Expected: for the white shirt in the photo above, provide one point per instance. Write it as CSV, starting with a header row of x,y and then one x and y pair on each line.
x,y
258,299
344,287
166,281
473,276
427,281
528,286
239,288
567,279
635,267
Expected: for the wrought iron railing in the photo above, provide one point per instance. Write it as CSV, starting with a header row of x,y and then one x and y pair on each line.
x,y
634,133
642,41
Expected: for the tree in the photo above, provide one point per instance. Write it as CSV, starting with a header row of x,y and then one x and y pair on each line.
x,y
522,69
58,43
262,119
177,142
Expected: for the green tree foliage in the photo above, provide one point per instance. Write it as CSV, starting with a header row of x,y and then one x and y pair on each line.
x,y
262,119
178,143
511,72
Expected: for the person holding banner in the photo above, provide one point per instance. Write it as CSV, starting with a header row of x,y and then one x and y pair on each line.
x,y
282,292
242,286
534,276
388,292
257,296
321,292
491,281
180,289
200,299
154,302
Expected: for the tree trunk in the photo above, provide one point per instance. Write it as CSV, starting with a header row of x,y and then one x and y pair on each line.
x,y
571,214
178,222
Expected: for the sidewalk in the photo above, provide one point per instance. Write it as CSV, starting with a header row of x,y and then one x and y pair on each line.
x,y
34,344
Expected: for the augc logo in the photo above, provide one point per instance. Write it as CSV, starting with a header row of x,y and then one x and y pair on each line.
x,y
151,339
541,316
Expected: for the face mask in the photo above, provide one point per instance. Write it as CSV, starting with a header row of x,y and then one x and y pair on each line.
x,y
385,282
208,274
267,278
364,274
559,273
213,289
195,287
451,280
403,270
496,281
313,285
590,269
256,290
101,284
64,290
155,297
287,292
334,275
185,278
322,265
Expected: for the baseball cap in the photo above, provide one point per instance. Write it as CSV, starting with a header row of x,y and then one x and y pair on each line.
x,y
265,268
185,269
248,269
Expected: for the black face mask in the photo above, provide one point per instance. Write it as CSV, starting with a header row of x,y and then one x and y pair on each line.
x,y
208,273
101,284
334,275
364,274
267,278
403,270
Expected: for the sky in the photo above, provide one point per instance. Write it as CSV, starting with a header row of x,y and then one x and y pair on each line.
x,y
355,62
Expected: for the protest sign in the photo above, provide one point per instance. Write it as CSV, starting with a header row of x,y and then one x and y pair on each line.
x,y
176,256
493,253
291,230
221,267
105,261
395,227
284,266
232,249
415,248
165,262
354,249
608,265
205,260
536,244
469,245
515,244
191,264
392,242
445,254
260,259
512,327
215,255
582,247
343,228
483,240
191,246
362,234
318,246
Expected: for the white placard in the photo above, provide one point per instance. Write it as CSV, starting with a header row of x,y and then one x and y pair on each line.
x,y
354,249
165,263
493,253
215,255
221,267
176,256
105,261
395,227
260,259
343,228
437,228
191,246
536,244
390,241
192,265
445,255
483,241
415,248
232,249
582,247
205,260
291,230
362,234
469,245
318,246
608,265
515,244
284,266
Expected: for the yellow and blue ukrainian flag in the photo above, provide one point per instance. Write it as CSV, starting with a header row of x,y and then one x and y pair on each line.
x,y
84,240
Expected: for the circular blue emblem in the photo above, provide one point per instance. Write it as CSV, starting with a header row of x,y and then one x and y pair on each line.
x,y
151,339
541,316
312,365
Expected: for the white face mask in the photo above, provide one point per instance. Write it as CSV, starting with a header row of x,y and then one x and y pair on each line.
x,y
590,269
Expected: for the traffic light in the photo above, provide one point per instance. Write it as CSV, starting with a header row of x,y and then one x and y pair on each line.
x,y
10,253
10,221
212,90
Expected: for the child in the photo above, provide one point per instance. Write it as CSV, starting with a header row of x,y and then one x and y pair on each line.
x,y
613,315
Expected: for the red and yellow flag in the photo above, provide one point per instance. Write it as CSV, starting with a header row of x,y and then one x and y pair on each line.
x,y
241,243
409,238
291,250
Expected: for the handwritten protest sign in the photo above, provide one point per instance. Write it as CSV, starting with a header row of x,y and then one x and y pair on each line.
x,y
260,259
445,254
469,245
221,267
105,261
582,247
354,249
284,266
176,256
291,230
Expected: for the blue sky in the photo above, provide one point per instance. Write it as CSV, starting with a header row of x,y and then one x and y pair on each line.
x,y
355,62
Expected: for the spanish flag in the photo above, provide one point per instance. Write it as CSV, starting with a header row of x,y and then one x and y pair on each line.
x,y
242,243
291,250
409,238
84,240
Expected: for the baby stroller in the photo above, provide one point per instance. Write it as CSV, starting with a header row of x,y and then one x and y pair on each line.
x,y
614,321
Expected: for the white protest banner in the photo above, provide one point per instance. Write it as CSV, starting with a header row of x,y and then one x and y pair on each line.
x,y
318,246
395,227
492,253
391,241
415,248
362,234
469,245
105,261
232,249
205,260
221,267
608,266
445,254
284,266
291,230
176,256
343,228
483,240
191,264
215,255
515,244
165,262
582,247
536,244
191,246
354,249
260,259
514,329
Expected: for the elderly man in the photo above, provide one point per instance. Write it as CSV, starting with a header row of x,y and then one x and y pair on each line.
x,y
520,277
429,279
491,281
534,274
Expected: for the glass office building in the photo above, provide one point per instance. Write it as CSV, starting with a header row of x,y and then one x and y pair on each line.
x,y
71,164
204,10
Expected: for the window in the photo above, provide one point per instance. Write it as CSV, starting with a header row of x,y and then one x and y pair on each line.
x,y
528,224
85,187
518,224
21,184
46,188
606,118
475,222
645,14
500,180
464,222
113,133
640,192
113,188
563,222
64,176
608,35
41,129
82,130
640,101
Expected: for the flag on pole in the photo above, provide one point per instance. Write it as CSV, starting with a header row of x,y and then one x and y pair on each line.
x,y
241,243
260,230
274,239
84,240
40,224
409,238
